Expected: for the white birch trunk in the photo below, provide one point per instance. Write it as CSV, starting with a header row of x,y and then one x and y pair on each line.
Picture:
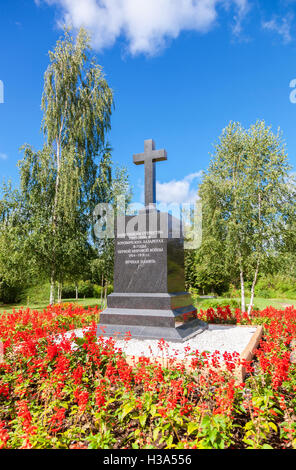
x,y
54,220
52,288
102,291
243,302
253,288
258,261
105,298
59,292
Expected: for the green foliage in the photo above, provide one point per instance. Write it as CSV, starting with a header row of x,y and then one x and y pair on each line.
x,y
10,293
234,291
39,293
16,266
246,204
36,294
212,303
101,267
101,440
276,286
214,432
205,277
85,289
63,182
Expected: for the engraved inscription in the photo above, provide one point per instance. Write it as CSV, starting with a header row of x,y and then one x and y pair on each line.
x,y
140,251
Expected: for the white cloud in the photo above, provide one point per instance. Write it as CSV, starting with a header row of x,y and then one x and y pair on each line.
x,y
281,26
3,156
179,192
145,24
242,8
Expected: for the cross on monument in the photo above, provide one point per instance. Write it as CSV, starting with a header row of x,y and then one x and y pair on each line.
x,y
149,158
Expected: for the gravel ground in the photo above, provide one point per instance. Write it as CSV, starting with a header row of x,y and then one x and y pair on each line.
x,y
222,338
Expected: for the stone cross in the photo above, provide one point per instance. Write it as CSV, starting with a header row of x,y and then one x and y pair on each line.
x,y
149,158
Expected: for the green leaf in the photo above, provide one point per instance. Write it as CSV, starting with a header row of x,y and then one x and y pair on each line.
x,y
142,419
153,410
273,426
169,441
79,341
192,427
128,408
156,432
212,435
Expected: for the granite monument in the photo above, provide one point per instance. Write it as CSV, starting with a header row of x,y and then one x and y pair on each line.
x,y
149,299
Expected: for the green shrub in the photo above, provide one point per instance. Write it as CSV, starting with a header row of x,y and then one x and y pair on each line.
x,y
97,290
85,289
36,294
40,293
235,292
276,286
291,294
214,303
264,293
69,292
9,294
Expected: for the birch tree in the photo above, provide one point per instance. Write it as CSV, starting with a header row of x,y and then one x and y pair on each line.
x,y
61,183
246,200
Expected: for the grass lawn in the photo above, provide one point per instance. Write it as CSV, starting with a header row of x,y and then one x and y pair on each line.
x,y
90,302
259,302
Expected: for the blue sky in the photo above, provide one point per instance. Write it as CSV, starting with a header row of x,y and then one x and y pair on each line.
x,y
180,71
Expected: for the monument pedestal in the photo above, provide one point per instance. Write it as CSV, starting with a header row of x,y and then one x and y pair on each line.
x,y
149,301
162,320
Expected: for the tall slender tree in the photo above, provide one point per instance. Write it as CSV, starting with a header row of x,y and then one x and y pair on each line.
x,y
246,201
62,183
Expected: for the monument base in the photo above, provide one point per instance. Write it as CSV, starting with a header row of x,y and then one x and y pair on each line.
x,y
179,334
168,318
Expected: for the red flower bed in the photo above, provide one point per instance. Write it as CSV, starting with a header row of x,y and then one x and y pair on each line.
x,y
54,395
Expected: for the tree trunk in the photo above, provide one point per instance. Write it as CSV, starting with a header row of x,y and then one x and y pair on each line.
x,y
253,288
243,303
105,297
102,291
52,288
59,292
258,260
54,221
76,291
